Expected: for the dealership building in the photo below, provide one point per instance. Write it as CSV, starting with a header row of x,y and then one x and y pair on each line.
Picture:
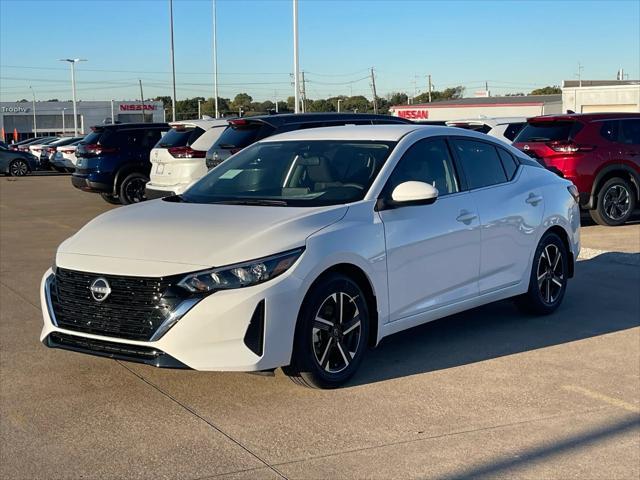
x,y
591,96
477,107
24,119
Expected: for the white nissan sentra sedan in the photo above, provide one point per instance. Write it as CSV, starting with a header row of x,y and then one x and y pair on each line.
x,y
308,247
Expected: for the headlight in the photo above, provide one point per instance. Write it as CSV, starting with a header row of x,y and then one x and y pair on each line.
x,y
241,274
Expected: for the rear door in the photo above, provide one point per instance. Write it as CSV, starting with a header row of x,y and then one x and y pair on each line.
x,y
433,251
511,208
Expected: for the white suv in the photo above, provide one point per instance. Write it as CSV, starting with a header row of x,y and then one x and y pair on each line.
x,y
178,159
504,128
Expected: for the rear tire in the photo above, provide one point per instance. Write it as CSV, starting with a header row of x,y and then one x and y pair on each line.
x,y
112,199
548,279
18,168
331,335
132,188
616,202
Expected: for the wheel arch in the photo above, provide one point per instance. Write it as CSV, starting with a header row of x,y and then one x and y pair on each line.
x,y
364,282
122,173
619,170
564,236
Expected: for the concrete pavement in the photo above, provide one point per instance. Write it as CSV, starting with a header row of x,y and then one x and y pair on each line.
x,y
485,394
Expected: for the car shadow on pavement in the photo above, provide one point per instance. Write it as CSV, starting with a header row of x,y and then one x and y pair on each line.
x,y
602,298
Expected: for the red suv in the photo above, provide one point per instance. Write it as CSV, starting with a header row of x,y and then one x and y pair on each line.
x,y
599,153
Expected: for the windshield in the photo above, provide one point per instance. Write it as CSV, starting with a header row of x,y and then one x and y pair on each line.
x,y
294,173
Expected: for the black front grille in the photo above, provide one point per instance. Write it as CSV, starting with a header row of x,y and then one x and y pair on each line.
x,y
134,309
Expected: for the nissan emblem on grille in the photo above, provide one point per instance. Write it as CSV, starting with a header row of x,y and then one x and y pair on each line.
x,y
100,289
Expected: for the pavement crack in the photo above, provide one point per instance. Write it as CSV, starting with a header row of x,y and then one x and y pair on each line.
x,y
200,417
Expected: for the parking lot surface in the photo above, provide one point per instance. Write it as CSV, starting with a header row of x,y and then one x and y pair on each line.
x,y
485,394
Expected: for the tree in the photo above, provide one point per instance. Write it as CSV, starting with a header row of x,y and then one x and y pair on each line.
x,y
398,98
242,100
548,90
321,105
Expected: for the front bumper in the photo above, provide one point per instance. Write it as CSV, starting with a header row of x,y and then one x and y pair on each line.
x,y
211,336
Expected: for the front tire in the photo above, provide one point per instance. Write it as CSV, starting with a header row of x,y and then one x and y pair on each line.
x,y
18,168
616,201
132,188
548,279
331,336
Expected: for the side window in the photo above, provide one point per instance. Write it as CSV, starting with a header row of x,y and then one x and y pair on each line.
x,y
508,163
426,161
480,162
609,130
630,132
513,129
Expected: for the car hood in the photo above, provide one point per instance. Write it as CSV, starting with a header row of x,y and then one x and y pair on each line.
x,y
180,237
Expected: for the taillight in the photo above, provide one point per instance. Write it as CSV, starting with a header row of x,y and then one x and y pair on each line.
x,y
66,151
95,149
185,152
562,146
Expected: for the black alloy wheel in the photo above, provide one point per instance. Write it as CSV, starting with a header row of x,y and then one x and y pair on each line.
x,y
18,168
132,189
332,333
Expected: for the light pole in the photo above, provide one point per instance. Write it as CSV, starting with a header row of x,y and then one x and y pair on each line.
x,y
339,100
35,126
296,66
199,109
113,118
73,62
215,61
63,121
173,64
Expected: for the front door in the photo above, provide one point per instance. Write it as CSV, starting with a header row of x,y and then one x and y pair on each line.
x,y
433,251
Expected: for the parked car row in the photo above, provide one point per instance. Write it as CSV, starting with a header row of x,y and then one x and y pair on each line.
x,y
39,153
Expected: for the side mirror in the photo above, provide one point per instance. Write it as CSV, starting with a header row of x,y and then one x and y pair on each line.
x,y
413,193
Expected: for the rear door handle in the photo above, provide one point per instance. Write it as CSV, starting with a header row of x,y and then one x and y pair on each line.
x,y
466,217
533,199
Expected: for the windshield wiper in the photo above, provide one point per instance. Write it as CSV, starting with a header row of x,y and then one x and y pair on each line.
x,y
260,202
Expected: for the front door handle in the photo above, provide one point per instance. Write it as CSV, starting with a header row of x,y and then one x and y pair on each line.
x,y
466,217
533,199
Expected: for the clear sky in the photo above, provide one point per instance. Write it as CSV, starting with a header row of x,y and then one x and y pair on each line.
x,y
514,45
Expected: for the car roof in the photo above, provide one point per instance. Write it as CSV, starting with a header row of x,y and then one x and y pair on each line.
x,y
583,116
389,133
204,123
489,120
129,126
287,118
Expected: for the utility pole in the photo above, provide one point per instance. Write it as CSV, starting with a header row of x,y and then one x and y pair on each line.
x,y
142,101
415,85
296,66
199,109
215,62
339,100
375,96
35,126
580,68
304,94
429,86
173,64
113,118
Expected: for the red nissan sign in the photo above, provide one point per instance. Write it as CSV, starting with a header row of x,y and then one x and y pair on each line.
x,y
419,113
136,107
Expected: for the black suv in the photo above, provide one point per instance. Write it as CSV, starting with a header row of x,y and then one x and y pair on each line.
x,y
113,160
242,132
